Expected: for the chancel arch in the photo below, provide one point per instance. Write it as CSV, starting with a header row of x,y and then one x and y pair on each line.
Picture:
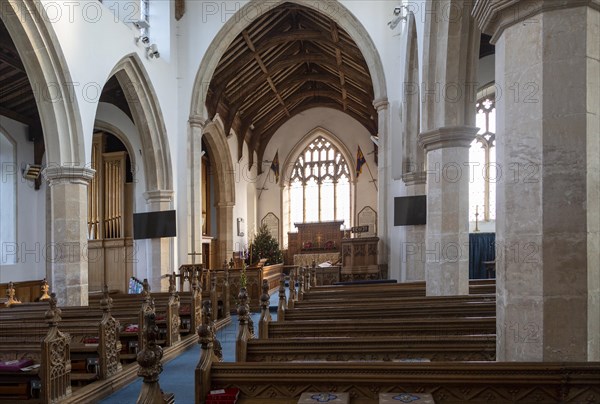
x,y
321,57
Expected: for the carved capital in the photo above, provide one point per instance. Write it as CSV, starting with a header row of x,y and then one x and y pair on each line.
x,y
159,195
414,178
494,16
68,174
381,104
450,136
198,122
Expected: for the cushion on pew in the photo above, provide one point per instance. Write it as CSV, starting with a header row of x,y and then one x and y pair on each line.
x,y
15,365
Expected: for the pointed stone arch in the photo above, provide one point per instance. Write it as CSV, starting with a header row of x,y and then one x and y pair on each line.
x,y
450,59
47,71
66,171
148,118
214,137
155,160
255,8
230,30
413,155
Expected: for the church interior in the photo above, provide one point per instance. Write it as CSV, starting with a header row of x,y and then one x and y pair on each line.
x,y
300,201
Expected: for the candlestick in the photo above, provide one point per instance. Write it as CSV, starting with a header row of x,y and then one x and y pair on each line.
x,y
476,219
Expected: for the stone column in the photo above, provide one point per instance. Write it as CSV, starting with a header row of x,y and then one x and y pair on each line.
x,y
412,254
446,252
160,259
548,201
195,193
225,225
383,168
66,252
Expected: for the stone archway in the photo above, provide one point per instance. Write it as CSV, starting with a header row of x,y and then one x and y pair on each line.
x,y
47,71
237,23
66,171
147,117
231,29
213,134
156,158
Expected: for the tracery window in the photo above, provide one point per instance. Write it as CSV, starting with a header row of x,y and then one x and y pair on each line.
x,y
482,156
320,185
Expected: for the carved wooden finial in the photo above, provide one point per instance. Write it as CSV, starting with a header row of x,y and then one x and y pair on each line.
x,y
149,358
209,324
265,298
150,366
106,301
146,289
45,288
225,264
265,316
242,309
197,271
172,285
11,295
231,263
282,306
53,313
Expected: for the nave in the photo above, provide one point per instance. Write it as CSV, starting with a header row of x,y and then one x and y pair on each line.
x,y
320,339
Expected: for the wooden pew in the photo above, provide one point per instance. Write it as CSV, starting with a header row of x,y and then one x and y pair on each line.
x,y
51,352
476,287
94,335
431,348
448,382
165,305
387,326
447,308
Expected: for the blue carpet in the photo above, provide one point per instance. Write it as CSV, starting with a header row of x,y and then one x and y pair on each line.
x,y
178,374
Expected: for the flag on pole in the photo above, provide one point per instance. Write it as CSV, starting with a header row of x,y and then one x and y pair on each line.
x,y
360,161
275,166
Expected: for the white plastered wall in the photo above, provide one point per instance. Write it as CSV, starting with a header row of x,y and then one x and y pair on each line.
x,y
31,249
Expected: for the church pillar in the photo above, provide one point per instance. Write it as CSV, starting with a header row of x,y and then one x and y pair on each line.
x,y
225,231
383,168
446,252
195,193
412,256
548,201
160,259
66,253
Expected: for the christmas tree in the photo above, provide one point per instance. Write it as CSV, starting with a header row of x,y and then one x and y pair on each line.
x,y
265,246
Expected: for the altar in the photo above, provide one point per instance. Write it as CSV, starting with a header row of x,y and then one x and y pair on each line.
x,y
350,258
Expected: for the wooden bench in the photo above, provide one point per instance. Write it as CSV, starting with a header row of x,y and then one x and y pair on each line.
x,y
50,352
389,327
94,335
447,382
432,348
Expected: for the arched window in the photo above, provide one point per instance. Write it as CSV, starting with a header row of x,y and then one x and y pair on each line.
x,y
319,188
8,201
482,156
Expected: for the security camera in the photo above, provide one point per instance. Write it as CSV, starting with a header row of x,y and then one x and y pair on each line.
x,y
398,16
152,51
144,39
